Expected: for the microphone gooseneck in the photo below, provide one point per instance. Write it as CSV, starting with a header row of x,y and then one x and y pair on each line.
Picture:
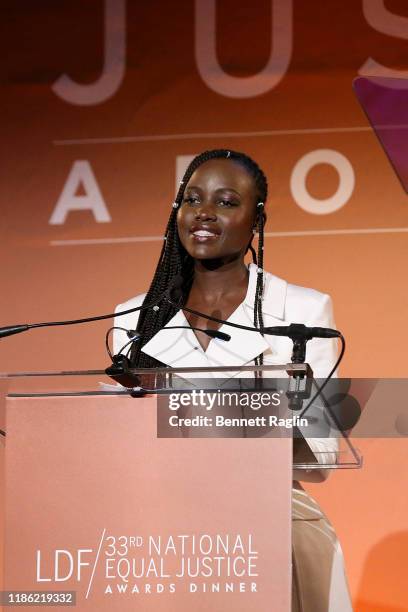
x,y
174,288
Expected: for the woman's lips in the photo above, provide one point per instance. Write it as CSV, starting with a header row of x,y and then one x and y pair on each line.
x,y
204,235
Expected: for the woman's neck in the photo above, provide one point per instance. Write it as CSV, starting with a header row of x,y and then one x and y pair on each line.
x,y
213,282
217,290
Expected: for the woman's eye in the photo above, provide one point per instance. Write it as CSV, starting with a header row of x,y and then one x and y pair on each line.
x,y
228,203
191,200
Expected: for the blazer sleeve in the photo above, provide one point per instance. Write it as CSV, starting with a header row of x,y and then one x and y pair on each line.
x,y
127,321
321,354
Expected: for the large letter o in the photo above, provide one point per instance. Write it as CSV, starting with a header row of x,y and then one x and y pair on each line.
x,y
303,167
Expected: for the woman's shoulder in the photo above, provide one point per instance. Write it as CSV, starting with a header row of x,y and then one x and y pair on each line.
x,y
296,299
126,321
133,302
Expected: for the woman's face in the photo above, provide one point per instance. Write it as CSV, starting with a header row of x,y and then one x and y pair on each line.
x,y
217,215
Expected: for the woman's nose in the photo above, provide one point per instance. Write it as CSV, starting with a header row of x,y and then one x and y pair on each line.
x,y
206,211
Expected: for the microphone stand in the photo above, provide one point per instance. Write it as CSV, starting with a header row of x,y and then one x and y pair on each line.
x,y
300,373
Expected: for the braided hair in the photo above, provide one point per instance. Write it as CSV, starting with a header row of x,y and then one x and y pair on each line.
x,y
175,261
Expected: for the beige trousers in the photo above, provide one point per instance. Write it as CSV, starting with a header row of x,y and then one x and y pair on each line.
x,y
319,582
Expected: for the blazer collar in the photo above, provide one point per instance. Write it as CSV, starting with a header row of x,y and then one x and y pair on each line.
x,y
180,347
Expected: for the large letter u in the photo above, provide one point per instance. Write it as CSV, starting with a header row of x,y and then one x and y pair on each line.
x,y
242,87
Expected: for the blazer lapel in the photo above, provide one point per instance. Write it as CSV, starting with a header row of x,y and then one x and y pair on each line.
x,y
180,347
176,347
244,345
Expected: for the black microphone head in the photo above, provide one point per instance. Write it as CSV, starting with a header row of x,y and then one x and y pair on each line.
x,y
132,334
13,329
214,333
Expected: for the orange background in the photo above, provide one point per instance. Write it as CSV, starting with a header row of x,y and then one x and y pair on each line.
x,y
162,109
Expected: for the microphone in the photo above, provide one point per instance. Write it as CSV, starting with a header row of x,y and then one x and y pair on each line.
x,y
173,290
13,329
213,333
298,331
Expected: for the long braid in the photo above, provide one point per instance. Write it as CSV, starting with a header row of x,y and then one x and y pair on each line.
x,y
258,316
174,259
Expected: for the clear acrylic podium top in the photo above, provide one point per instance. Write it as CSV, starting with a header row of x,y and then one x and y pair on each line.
x,y
157,380
293,381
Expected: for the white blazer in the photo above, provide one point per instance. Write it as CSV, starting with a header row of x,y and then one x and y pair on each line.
x,y
283,304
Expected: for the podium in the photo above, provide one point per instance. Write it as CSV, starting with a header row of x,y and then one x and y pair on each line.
x,y
108,509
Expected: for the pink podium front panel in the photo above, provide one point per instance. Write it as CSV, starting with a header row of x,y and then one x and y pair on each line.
x,y
97,504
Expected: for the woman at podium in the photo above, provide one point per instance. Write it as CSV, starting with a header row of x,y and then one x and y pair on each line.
x,y
219,207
